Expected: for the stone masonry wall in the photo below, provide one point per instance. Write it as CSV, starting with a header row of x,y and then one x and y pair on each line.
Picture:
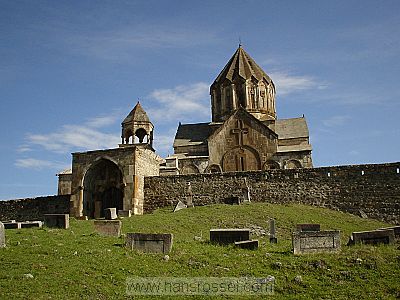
x,y
373,188
33,208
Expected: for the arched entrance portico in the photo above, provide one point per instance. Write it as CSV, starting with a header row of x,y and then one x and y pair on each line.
x,y
102,188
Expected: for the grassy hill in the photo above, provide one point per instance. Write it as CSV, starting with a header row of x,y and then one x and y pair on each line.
x,y
78,263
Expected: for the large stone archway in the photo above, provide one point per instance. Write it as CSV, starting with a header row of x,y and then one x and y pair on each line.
x,y
242,158
102,188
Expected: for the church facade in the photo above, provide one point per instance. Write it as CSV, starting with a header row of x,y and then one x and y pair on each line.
x,y
245,133
113,178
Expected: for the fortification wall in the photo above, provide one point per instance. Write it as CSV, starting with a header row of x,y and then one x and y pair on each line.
x,y
373,188
33,208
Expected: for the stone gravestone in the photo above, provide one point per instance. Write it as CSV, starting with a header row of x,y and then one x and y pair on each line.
x,y
229,236
251,245
189,198
308,227
2,236
150,242
272,232
180,205
362,214
396,230
31,224
246,191
110,213
108,227
57,220
384,236
316,241
125,213
12,225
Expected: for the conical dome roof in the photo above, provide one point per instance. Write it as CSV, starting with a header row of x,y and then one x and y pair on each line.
x,y
242,65
137,114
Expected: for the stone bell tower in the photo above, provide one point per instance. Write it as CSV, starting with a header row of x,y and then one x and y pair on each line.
x,y
242,83
137,125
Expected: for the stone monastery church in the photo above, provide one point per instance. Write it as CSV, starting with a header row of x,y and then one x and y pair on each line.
x,y
244,135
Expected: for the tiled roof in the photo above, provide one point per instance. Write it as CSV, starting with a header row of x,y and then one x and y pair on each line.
x,y
197,134
291,128
242,65
137,114
192,134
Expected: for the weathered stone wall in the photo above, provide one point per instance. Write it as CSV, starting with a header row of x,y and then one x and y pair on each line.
x,y
146,164
64,184
33,208
373,188
134,162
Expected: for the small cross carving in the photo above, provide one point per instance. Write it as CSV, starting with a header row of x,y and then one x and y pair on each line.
x,y
240,131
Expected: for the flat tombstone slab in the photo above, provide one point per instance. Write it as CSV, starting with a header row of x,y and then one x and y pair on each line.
x,y
108,227
30,224
180,205
12,225
251,245
110,213
308,227
2,236
57,220
229,236
125,213
316,241
150,242
384,236
396,230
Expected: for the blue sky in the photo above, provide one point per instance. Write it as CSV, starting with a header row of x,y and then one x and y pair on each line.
x,y
70,71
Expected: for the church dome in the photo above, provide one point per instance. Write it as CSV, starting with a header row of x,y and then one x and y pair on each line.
x,y
242,83
241,65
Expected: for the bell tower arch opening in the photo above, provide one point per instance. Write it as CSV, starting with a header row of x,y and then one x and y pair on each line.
x,y
137,128
102,188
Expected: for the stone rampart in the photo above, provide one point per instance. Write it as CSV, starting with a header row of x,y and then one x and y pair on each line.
x,y
372,188
33,208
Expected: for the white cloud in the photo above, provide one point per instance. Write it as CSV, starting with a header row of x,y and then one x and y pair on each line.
x,y
74,137
163,143
38,164
335,121
180,102
103,121
24,148
286,83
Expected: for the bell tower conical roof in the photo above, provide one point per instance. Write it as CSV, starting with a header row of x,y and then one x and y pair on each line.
x,y
242,83
137,124
137,114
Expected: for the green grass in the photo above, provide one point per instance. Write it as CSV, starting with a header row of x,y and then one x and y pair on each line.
x,y
78,263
